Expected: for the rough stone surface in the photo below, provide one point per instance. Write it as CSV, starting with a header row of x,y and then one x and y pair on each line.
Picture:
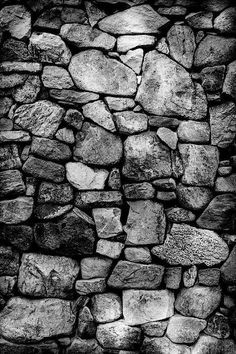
x,y
55,193
97,199
95,267
99,113
229,87
108,248
16,210
16,20
106,307
28,92
162,345
128,42
225,21
9,261
11,183
50,149
56,77
107,221
138,254
212,78
193,198
179,215
218,326
155,328
193,132
209,277
44,169
129,122
207,344
228,273
226,184
90,286
168,137
183,329
142,190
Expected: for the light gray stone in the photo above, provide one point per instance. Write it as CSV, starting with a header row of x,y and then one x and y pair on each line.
x,y
11,183
190,276
65,135
110,249
172,277
18,66
50,149
162,345
99,113
193,198
97,199
206,344
155,328
90,286
28,92
129,122
133,59
56,77
107,221
16,20
226,184
73,97
16,210
12,80
193,132
119,103
229,87
95,267
168,137
225,21
128,42
138,254
106,307
209,276
200,20
17,136
94,12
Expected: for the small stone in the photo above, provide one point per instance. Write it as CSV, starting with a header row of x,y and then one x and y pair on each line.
x,y
212,78
209,277
119,103
7,284
218,326
226,184
128,42
142,190
11,183
5,105
133,59
9,261
225,21
228,273
98,112
190,276
17,210
95,267
9,157
65,135
154,329
98,199
114,180
172,277
94,13
110,249
165,196
193,198
55,193
16,20
51,211
129,122
193,132
200,20
184,329
19,236
31,185
172,11
44,169
106,307
9,67
73,97
179,215
138,254
14,50
28,92
56,77
81,346
107,221
162,46
72,14
14,136
90,286
206,344
168,184
162,345
74,118
12,80
86,327
229,87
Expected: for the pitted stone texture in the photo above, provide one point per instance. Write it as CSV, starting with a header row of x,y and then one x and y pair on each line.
x,y
212,78
17,210
107,221
193,198
179,215
17,136
97,199
28,92
7,284
11,183
12,80
9,261
19,236
207,344
226,184
91,70
187,245
106,307
56,77
72,97
218,326
155,328
142,190
44,169
13,49
119,103
225,21
93,12
16,20
55,193
110,249
99,113
162,345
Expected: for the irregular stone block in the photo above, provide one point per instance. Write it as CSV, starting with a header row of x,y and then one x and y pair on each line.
x,y
50,149
193,132
95,267
155,328
107,221
179,215
138,254
225,21
11,183
209,276
172,277
7,284
162,345
17,136
16,20
139,191
44,169
90,286
81,346
212,78
193,198
127,42
97,199
55,193
229,87
42,348
110,249
228,269
106,307
119,103
218,326
129,122
210,344
56,77
9,261
19,236
72,96
86,327
16,210
98,112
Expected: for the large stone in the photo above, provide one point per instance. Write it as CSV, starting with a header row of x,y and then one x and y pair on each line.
x,y
11,80
16,20
44,169
193,132
24,320
9,157
47,276
146,223
198,301
228,269
56,77
167,89
128,42
200,164
208,344
96,146
11,183
193,198
40,118
91,70
128,275
106,307
28,92
229,87
163,346
146,157
99,113
226,184
187,245
225,21
129,122
107,221
50,149
142,306
17,210
9,261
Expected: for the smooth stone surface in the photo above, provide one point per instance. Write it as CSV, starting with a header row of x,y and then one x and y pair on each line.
x,y
99,113
110,249
107,221
119,103
229,87
162,345
44,169
90,286
17,210
128,42
193,198
50,149
106,307
11,183
129,122
168,137
16,20
56,77
193,132
95,267
55,193
9,261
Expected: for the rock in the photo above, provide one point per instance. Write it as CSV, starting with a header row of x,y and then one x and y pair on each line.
x,y
14,136
193,132
172,11
226,184
145,224
184,329
119,103
13,49
193,198
138,254
16,20
41,118
190,276
206,344
84,346
49,48
47,276
83,177
218,326
142,306
11,183
21,67
176,94
154,329
198,301
218,214
162,46
17,210
91,70
223,124
212,78
49,347
9,157
146,157
96,146
165,196
204,171
90,286
142,190
55,193
209,277
114,180
129,2
84,36
168,137
9,261
74,118
28,92
95,267
224,171
214,50
181,44
73,97
128,42
133,59
97,199
12,80
118,335
229,87
50,149
94,13
51,211
225,21
106,307
98,112
110,249
168,184
187,245
162,345
7,284
44,169
179,215
128,275
72,14
172,277
5,105
200,20
129,122
56,77
228,273
19,236
86,327
25,321
49,19
107,221
65,135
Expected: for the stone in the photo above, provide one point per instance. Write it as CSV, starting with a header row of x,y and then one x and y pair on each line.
x,y
200,20
84,36
56,77
49,48
98,199
167,184
41,118
209,276
106,307
129,122
11,80
92,71
74,118
44,169
183,329
218,214
226,184
146,157
7,284
204,171
95,267
5,105
13,49
138,254
128,275
119,103
114,180
83,177
172,11
168,90
193,198
162,46
154,329
187,245
19,236
94,12
218,326
90,286
172,277
86,327
65,135
49,19
16,66
225,21
223,124
24,320
198,301
142,190
179,215
11,183
224,170
145,224
118,335
168,137
190,276
72,96
47,276
99,113
128,42
110,249
31,185
107,221
133,59
214,50
193,132
96,146
212,78
51,211
28,92
16,20
17,136
55,193
165,196
49,347
16,210
206,344
9,261
181,44
162,345
142,306
229,87
228,274
72,14
50,149
84,346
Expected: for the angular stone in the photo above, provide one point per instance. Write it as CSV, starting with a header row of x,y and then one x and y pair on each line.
x,y
106,307
12,80
16,20
129,122
172,277
225,21
218,326
138,254
91,70
207,344
142,306
107,221
165,196
209,276
7,284
50,149
172,11
109,249
154,329
56,77
179,215
162,46
9,261
41,118
98,199
73,97
50,19
94,13
228,273
187,245
183,329
5,105
212,78
65,135
28,92
86,327
133,59
49,48
48,347
168,137
168,90
19,236
44,169
215,50
190,276
90,286
200,20
55,193
17,210
51,211
13,49
119,103
167,184
98,112
226,184
96,146
193,132
17,136
95,267
128,275
11,183
162,345
145,224
204,171
24,320
193,198
198,301
139,191
82,346
229,87
125,43
224,170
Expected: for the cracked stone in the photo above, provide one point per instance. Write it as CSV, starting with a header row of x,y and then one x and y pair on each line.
x,y
107,221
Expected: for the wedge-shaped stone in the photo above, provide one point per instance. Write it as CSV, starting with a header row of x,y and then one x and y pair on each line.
x,y
51,211
99,113
125,43
17,210
163,345
44,169
11,183
187,245
16,20
226,184
107,221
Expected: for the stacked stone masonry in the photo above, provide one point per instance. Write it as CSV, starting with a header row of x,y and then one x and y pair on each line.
x,y
117,177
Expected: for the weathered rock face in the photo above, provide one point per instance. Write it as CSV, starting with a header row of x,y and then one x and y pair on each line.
x,y
16,20
228,273
9,261
207,343
11,183
107,221
16,210
162,345
106,307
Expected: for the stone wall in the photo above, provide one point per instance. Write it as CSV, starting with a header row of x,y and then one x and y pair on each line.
x,y
117,177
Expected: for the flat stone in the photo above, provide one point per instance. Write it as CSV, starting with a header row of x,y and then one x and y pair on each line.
x,y
95,267
209,276
36,316
225,21
110,249
167,184
107,221
193,198
129,122
128,42
187,245
50,149
96,146
44,169
56,77
5,105
91,70
183,329
142,190
16,210
98,199
162,345
226,184
119,103
17,66
168,137
16,20
176,95
90,286
138,254
164,196
212,78
55,193
208,343
155,328
28,92
73,97
133,59
172,11
65,135
51,211
128,275
7,284
198,301
204,171
200,20
193,132
218,326
99,113
228,268
11,80
114,180
9,261
14,136
40,118
142,306
106,307
83,177
179,215
190,276
11,183
8,347
19,236
229,87
172,277
145,224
